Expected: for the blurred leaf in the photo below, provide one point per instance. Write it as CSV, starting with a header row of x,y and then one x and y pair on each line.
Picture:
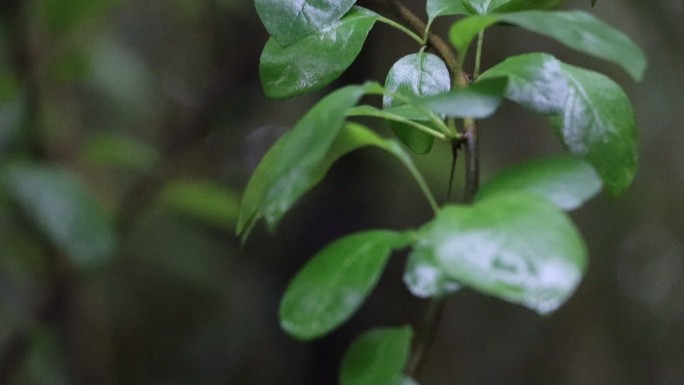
x,y
290,21
576,29
334,283
203,200
425,278
415,75
317,60
565,181
63,210
591,113
62,16
12,112
516,247
377,357
478,100
113,150
295,162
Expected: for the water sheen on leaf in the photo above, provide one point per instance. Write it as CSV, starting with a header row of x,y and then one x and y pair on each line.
x,y
63,209
516,247
296,162
566,181
317,60
377,357
415,75
289,21
335,283
591,113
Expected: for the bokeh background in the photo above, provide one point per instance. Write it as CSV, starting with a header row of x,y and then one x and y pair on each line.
x,y
128,129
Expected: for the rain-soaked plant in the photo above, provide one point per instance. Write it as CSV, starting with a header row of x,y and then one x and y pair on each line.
x,y
511,238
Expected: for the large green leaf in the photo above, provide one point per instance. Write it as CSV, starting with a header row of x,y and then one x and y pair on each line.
x,y
436,8
415,75
425,278
295,162
289,21
63,209
317,60
565,181
516,247
522,5
335,283
478,100
575,29
590,112
376,357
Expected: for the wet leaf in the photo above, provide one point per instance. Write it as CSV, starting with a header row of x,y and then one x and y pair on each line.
x,y
591,113
334,283
317,60
516,247
295,163
415,75
64,210
290,21
436,8
576,29
565,181
377,357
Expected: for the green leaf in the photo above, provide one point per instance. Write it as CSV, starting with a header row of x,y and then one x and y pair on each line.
x,y
501,6
565,181
317,60
203,200
585,33
289,21
64,210
334,283
295,163
578,30
415,75
591,113
436,8
112,150
377,357
516,247
478,100
425,278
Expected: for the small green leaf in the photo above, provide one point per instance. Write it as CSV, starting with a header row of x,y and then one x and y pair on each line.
x,y
204,200
295,163
415,75
289,21
317,60
566,181
516,247
478,100
334,283
112,150
591,113
63,209
377,357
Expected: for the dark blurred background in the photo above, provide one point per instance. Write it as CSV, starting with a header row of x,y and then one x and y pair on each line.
x,y
154,110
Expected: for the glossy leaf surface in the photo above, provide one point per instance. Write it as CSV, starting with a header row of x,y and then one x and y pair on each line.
x,y
63,209
292,20
565,181
415,75
318,59
335,283
295,163
591,113
377,357
516,247
575,29
436,8
425,278
478,100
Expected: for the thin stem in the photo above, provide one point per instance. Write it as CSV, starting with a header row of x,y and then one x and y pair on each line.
x,y
403,29
455,145
478,54
472,182
421,182
425,336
